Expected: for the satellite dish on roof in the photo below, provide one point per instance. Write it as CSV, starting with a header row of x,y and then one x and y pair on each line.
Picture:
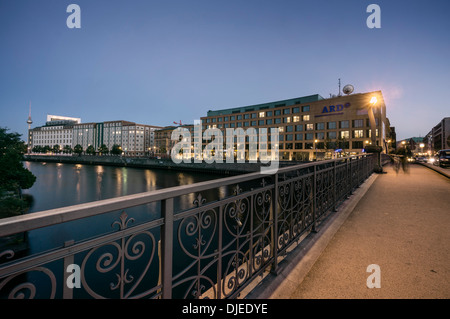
x,y
348,89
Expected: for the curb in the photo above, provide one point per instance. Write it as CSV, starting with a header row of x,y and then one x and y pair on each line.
x,y
295,267
436,169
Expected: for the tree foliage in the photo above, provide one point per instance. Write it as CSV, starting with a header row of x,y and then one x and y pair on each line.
x,y
13,175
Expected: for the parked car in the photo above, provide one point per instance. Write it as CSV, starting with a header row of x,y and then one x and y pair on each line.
x,y
443,158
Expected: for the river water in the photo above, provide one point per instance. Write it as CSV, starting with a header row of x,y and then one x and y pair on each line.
x,y
59,185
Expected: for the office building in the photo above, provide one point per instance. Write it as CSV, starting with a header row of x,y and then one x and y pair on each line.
x,y
312,127
58,130
439,136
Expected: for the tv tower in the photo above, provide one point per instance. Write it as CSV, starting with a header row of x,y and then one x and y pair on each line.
x,y
29,121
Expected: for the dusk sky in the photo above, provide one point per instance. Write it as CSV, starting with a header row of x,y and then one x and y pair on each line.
x,y
155,62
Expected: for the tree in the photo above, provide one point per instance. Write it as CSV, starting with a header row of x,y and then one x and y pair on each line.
x,y
56,149
78,149
90,150
67,149
103,149
116,149
37,149
13,175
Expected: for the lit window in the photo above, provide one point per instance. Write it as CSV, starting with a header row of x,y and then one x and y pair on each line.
x,y
345,134
261,114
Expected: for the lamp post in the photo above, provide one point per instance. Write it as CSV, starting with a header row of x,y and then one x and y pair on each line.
x,y
315,146
373,147
422,145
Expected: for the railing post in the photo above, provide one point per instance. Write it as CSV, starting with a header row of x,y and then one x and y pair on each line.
x,y
314,199
334,187
167,247
275,225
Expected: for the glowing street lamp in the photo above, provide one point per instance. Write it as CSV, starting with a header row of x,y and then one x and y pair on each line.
x,y
315,145
373,100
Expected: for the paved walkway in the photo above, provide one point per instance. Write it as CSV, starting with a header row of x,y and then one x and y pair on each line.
x,y
401,223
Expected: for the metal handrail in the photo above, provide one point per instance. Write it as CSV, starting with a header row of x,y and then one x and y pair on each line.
x,y
305,191
22,223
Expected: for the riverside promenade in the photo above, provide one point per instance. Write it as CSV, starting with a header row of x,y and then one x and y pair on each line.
x,y
398,221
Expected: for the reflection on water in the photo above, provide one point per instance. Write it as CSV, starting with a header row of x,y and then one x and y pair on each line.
x,y
60,185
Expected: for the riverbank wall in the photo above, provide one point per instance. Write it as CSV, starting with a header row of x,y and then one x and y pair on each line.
x,y
140,162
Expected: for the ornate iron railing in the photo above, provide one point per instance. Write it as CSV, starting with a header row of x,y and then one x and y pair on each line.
x,y
212,249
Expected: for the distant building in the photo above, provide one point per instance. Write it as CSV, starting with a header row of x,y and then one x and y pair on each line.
x,y
134,139
312,126
163,138
439,136
58,130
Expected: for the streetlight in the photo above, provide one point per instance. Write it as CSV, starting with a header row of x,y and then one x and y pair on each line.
x,y
422,145
373,100
315,146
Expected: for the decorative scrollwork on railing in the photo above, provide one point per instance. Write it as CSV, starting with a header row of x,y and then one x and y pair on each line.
x,y
28,289
7,254
127,250
237,272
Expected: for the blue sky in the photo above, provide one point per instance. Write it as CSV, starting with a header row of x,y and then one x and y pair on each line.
x,y
155,62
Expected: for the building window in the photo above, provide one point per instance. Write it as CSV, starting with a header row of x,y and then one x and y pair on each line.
x,y
298,136
269,113
309,127
289,128
277,112
309,136
345,134
269,122
296,118
298,146
343,124
277,121
357,144
358,133
299,127
331,125
358,123
287,120
305,117
296,110
331,135
261,114
287,111
305,108
289,137
320,126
